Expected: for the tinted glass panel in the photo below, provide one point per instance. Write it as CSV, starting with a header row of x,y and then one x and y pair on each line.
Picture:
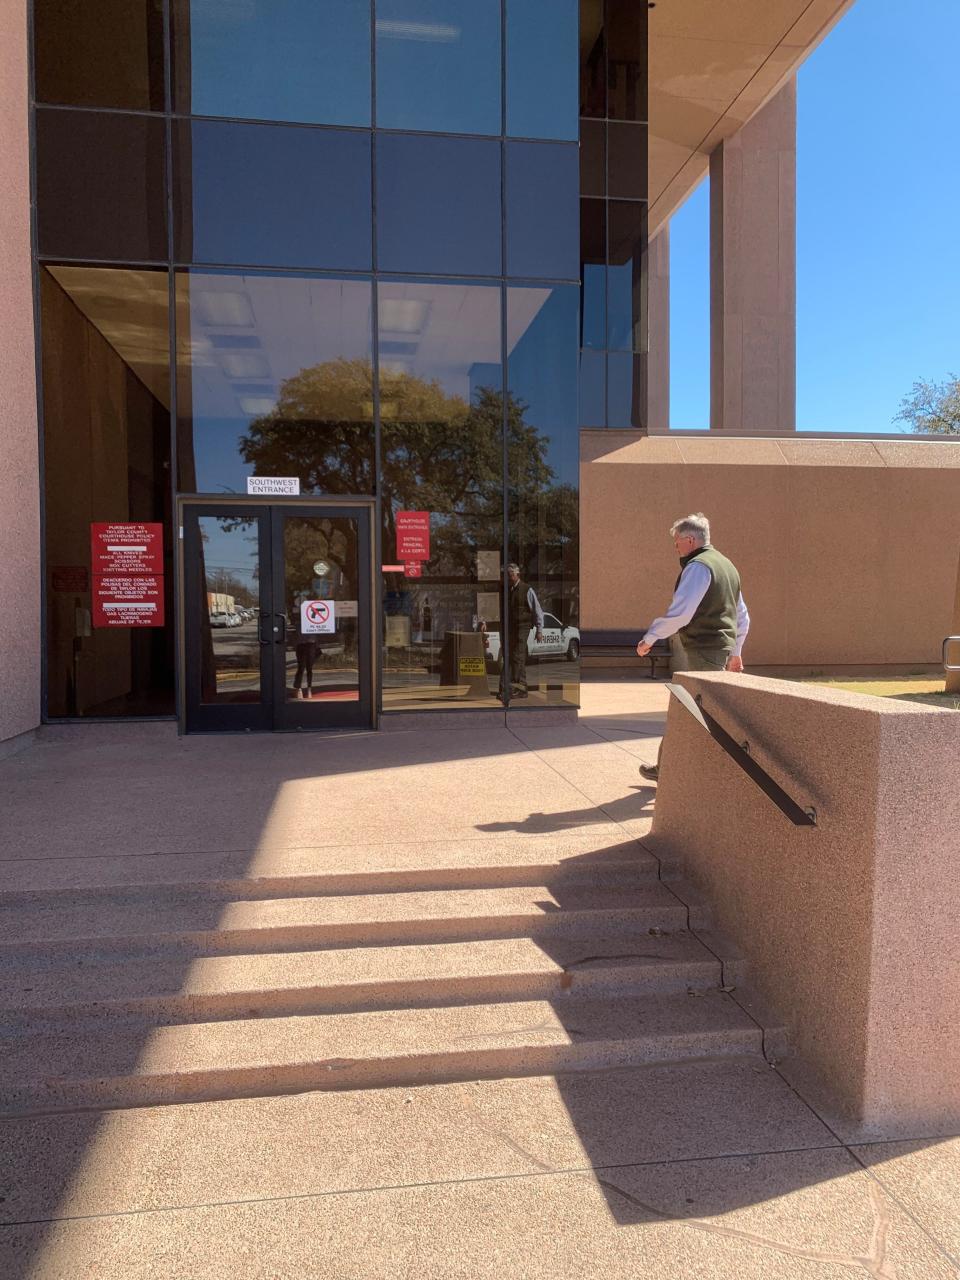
x,y
593,273
321,561
272,195
273,60
593,63
106,388
626,36
593,158
627,160
542,68
441,399
273,379
626,390
543,452
593,397
100,186
542,209
104,55
626,292
438,205
230,578
438,65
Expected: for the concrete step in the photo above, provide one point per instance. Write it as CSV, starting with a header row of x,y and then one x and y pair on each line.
x,y
271,1056
167,989
157,1158
203,925
331,869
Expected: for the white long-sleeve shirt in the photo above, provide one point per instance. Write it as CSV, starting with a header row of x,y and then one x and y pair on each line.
x,y
692,587
536,608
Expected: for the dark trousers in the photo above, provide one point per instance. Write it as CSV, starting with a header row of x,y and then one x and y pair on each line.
x,y
305,656
518,669
684,659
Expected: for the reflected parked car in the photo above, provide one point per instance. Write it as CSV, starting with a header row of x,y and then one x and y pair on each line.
x,y
557,641
219,620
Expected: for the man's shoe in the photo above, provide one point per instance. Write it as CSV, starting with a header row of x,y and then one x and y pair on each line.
x,y
650,771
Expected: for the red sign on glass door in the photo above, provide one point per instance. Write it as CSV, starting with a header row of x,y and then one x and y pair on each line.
x,y
413,535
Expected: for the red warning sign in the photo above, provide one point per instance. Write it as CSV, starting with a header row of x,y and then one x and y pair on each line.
x,y
133,601
413,535
413,569
119,549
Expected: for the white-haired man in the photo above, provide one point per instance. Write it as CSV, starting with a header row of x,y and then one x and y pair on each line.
x,y
707,613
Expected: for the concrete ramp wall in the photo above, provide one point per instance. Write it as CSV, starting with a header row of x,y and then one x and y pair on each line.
x,y
850,929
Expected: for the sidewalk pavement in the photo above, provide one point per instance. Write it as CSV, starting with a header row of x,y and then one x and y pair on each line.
x,y
702,1169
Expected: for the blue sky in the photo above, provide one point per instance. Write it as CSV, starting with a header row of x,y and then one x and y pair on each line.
x,y
878,231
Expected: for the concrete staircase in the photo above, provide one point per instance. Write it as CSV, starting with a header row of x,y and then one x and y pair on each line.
x,y
139,991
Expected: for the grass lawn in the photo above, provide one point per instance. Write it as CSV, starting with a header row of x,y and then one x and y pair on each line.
x,y
909,688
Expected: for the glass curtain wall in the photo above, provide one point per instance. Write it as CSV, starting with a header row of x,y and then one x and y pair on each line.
x,y
613,215
354,263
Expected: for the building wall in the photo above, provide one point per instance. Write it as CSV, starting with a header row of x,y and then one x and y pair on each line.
x,y
847,548
452,227
19,472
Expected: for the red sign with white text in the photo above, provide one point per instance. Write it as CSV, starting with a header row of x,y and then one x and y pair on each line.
x,y
413,535
120,549
413,569
133,601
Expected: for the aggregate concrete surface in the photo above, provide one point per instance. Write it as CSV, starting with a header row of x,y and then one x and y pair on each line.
x,y
704,1168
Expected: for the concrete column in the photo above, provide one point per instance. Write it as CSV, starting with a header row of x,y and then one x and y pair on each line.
x,y
658,321
19,462
753,269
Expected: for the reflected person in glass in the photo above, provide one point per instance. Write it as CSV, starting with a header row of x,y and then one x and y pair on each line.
x,y
522,608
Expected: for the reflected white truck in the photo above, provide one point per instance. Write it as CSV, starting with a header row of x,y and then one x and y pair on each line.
x,y
556,641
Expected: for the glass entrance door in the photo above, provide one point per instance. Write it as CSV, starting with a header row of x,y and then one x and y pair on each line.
x,y
278,623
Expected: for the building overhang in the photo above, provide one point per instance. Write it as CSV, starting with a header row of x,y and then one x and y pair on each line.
x,y
712,66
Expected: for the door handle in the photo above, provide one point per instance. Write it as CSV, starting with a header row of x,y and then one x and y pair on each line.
x,y
280,630
265,636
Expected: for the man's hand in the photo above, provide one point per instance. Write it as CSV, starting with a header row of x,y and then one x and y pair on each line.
x,y
734,662
643,649
539,635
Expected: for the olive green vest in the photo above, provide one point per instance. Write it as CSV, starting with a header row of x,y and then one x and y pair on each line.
x,y
714,625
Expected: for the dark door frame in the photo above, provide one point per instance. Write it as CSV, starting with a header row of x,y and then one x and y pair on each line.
x,y
303,505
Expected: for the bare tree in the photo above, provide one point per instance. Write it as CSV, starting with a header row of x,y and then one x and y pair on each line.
x,y
932,407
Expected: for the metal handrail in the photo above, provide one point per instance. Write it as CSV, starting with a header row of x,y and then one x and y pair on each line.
x,y
740,754
950,666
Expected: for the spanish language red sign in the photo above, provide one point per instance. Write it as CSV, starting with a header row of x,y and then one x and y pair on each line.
x,y
413,535
126,548
132,601
127,561
413,569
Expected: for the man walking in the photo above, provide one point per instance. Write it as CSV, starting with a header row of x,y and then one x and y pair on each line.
x,y
707,613
522,608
